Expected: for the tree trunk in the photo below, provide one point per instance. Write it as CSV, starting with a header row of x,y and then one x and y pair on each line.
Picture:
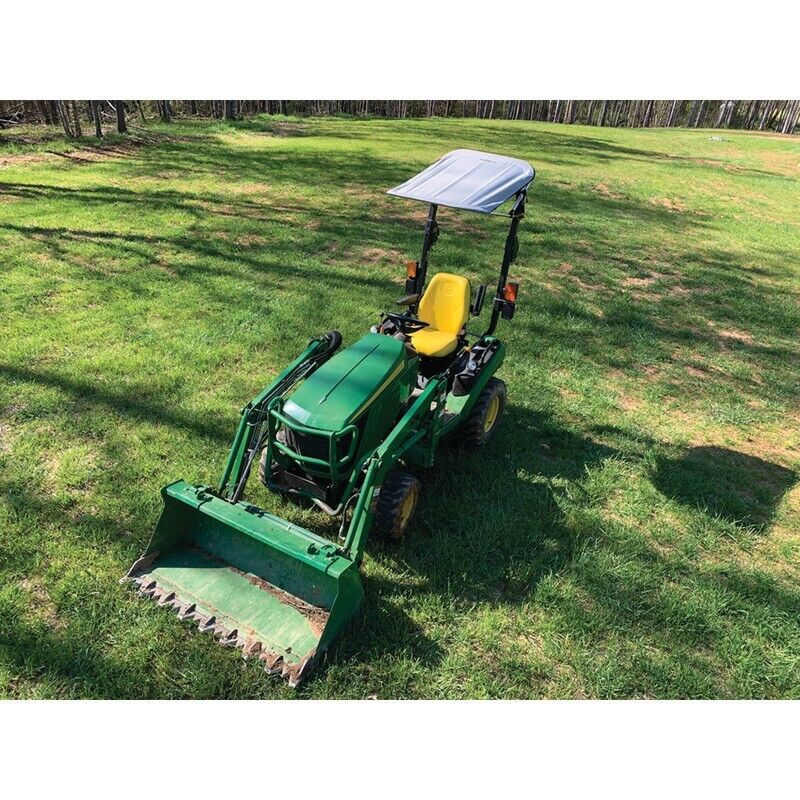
x,y
63,115
700,112
76,119
790,119
672,114
122,125
45,112
765,114
603,113
648,114
98,130
230,109
751,114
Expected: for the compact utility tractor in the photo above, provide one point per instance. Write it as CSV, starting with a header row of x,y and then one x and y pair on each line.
x,y
340,428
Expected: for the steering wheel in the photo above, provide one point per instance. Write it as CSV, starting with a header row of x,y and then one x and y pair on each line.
x,y
406,323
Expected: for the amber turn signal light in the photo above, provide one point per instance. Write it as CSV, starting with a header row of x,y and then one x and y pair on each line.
x,y
510,292
411,269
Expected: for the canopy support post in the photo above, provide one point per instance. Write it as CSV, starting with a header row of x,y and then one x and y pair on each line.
x,y
429,240
509,254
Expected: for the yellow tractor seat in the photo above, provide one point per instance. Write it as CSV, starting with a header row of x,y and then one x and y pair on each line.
x,y
445,307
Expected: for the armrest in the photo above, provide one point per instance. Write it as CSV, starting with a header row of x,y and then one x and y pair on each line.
x,y
408,300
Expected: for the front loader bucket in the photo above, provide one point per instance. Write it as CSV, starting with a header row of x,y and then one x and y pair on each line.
x,y
256,581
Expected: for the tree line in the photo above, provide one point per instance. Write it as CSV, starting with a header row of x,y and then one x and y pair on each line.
x,y
97,116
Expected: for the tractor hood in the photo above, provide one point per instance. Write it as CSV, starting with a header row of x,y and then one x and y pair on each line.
x,y
345,386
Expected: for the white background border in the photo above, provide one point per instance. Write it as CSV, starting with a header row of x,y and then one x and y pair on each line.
x,y
411,50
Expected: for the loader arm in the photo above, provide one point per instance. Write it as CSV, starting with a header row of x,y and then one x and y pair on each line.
x,y
418,422
247,441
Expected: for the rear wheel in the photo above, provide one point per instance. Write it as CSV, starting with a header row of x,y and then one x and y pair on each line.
x,y
396,504
483,421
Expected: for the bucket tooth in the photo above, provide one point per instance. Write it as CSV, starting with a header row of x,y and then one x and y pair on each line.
x,y
252,648
208,624
188,612
272,662
166,599
231,639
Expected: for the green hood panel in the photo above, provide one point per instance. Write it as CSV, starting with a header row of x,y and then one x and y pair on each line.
x,y
342,388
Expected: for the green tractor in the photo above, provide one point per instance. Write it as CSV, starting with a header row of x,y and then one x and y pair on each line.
x,y
339,428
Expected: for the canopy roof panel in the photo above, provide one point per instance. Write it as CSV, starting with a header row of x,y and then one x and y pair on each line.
x,y
469,180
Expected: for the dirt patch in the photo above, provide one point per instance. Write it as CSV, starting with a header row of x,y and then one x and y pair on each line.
x,y
639,283
249,240
564,268
628,403
91,155
782,162
646,297
254,188
288,129
166,267
673,206
605,191
587,287
375,255
695,372
42,604
679,291
733,335
18,159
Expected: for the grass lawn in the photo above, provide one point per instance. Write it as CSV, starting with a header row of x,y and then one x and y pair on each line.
x,y
632,532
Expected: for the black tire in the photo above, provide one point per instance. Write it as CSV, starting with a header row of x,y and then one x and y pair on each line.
x,y
481,425
396,504
335,338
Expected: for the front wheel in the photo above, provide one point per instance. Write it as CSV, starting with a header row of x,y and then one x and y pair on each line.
x,y
483,421
396,504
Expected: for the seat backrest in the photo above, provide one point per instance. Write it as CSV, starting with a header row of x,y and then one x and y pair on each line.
x,y
445,304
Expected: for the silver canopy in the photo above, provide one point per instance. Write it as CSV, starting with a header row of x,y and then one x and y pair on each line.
x,y
469,180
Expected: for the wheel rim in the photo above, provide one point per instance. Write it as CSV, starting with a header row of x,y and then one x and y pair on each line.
x,y
407,509
491,414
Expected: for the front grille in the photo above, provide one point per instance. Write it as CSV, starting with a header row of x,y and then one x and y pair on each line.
x,y
316,446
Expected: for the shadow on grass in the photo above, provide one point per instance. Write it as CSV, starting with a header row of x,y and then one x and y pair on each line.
x,y
493,524
135,406
737,487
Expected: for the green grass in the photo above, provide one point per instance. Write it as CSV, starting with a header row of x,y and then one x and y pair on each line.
x,y
632,532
